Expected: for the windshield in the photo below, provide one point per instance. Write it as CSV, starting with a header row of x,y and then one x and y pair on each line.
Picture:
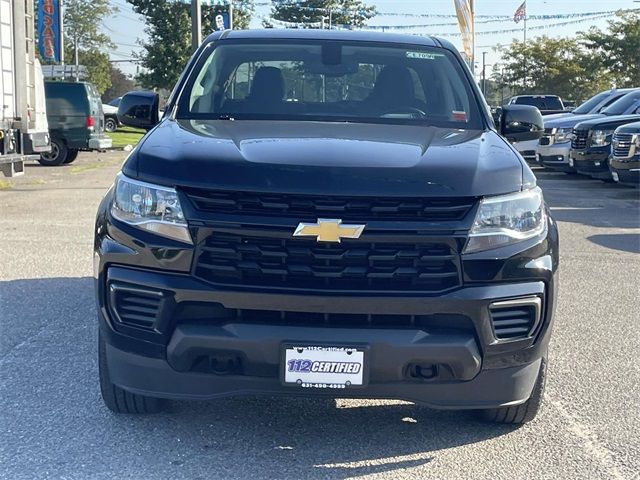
x,y
329,81
623,105
543,103
590,104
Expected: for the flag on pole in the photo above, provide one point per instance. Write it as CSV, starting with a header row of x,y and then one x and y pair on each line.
x,y
521,12
466,25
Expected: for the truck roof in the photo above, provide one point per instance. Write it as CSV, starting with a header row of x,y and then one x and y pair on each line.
x,y
317,34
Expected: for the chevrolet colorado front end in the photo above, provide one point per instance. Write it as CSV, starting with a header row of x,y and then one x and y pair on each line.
x,y
329,214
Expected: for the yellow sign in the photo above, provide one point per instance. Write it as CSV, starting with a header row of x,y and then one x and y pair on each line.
x,y
328,230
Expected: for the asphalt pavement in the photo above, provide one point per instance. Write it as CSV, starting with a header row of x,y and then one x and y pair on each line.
x,y
53,424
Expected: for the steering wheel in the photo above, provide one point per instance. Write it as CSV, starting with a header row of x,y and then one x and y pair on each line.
x,y
416,112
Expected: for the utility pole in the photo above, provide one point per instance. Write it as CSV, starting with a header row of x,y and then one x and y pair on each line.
x,y
75,47
473,39
196,24
484,74
61,25
230,14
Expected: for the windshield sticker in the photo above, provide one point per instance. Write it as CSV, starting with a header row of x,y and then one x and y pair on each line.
x,y
459,116
424,55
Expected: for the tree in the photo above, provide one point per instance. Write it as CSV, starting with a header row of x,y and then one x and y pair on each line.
x,y
619,49
84,39
169,30
120,84
349,13
551,65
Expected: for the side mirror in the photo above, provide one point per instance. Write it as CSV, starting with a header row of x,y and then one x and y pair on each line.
x,y
519,123
139,109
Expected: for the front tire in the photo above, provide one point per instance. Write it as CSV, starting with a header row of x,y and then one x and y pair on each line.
x,y
115,398
523,413
57,156
110,124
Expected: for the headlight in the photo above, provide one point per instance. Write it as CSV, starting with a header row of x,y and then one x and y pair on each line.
x,y
507,219
150,207
601,137
563,135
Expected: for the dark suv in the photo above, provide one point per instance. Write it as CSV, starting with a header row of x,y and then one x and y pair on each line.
x,y
76,121
624,162
326,213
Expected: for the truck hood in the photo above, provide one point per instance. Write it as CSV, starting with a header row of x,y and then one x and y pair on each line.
x,y
608,122
326,158
569,121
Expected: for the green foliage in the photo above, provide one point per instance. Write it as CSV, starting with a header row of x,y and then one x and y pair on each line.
x,y
352,13
82,21
551,66
619,49
574,68
120,84
169,30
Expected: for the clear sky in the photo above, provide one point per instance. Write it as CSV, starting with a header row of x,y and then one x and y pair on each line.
x,y
125,28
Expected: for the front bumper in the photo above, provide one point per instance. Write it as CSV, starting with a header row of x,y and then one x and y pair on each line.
x,y
626,172
555,157
197,325
592,162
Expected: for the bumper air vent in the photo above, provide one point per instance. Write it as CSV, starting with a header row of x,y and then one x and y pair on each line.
x,y
515,319
135,307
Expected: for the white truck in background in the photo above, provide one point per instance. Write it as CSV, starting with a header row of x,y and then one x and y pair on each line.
x,y
24,132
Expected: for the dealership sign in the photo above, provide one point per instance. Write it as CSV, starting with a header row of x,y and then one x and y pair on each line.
x,y
49,31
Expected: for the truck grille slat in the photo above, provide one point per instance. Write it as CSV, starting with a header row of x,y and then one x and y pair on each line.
x,y
579,140
238,259
622,144
312,207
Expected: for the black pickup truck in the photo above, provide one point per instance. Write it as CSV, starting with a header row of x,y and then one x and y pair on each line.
x,y
326,213
547,104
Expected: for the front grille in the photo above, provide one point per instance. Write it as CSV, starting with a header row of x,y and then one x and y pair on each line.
x,y
230,259
622,143
312,207
579,140
515,319
135,307
547,137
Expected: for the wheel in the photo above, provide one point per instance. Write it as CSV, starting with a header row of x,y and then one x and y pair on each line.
x,y
524,412
57,155
117,399
110,124
72,155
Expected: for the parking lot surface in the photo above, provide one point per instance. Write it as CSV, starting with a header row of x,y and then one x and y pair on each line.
x,y
53,423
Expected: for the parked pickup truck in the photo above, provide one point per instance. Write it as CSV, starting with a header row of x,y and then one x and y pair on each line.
x,y
299,238
624,162
547,104
591,139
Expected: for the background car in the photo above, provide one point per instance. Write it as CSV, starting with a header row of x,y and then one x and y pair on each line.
x,y
76,121
110,118
555,145
591,139
624,163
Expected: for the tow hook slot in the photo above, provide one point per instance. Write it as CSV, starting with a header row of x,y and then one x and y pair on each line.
x,y
423,371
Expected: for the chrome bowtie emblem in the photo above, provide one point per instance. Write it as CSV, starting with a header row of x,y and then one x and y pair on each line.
x,y
328,230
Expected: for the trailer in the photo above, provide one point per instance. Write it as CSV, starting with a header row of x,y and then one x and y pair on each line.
x,y
23,122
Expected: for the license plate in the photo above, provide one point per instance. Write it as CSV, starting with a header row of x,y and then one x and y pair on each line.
x,y
323,367
571,162
615,176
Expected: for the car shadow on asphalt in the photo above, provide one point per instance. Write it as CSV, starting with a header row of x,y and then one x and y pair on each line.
x,y
625,242
272,437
